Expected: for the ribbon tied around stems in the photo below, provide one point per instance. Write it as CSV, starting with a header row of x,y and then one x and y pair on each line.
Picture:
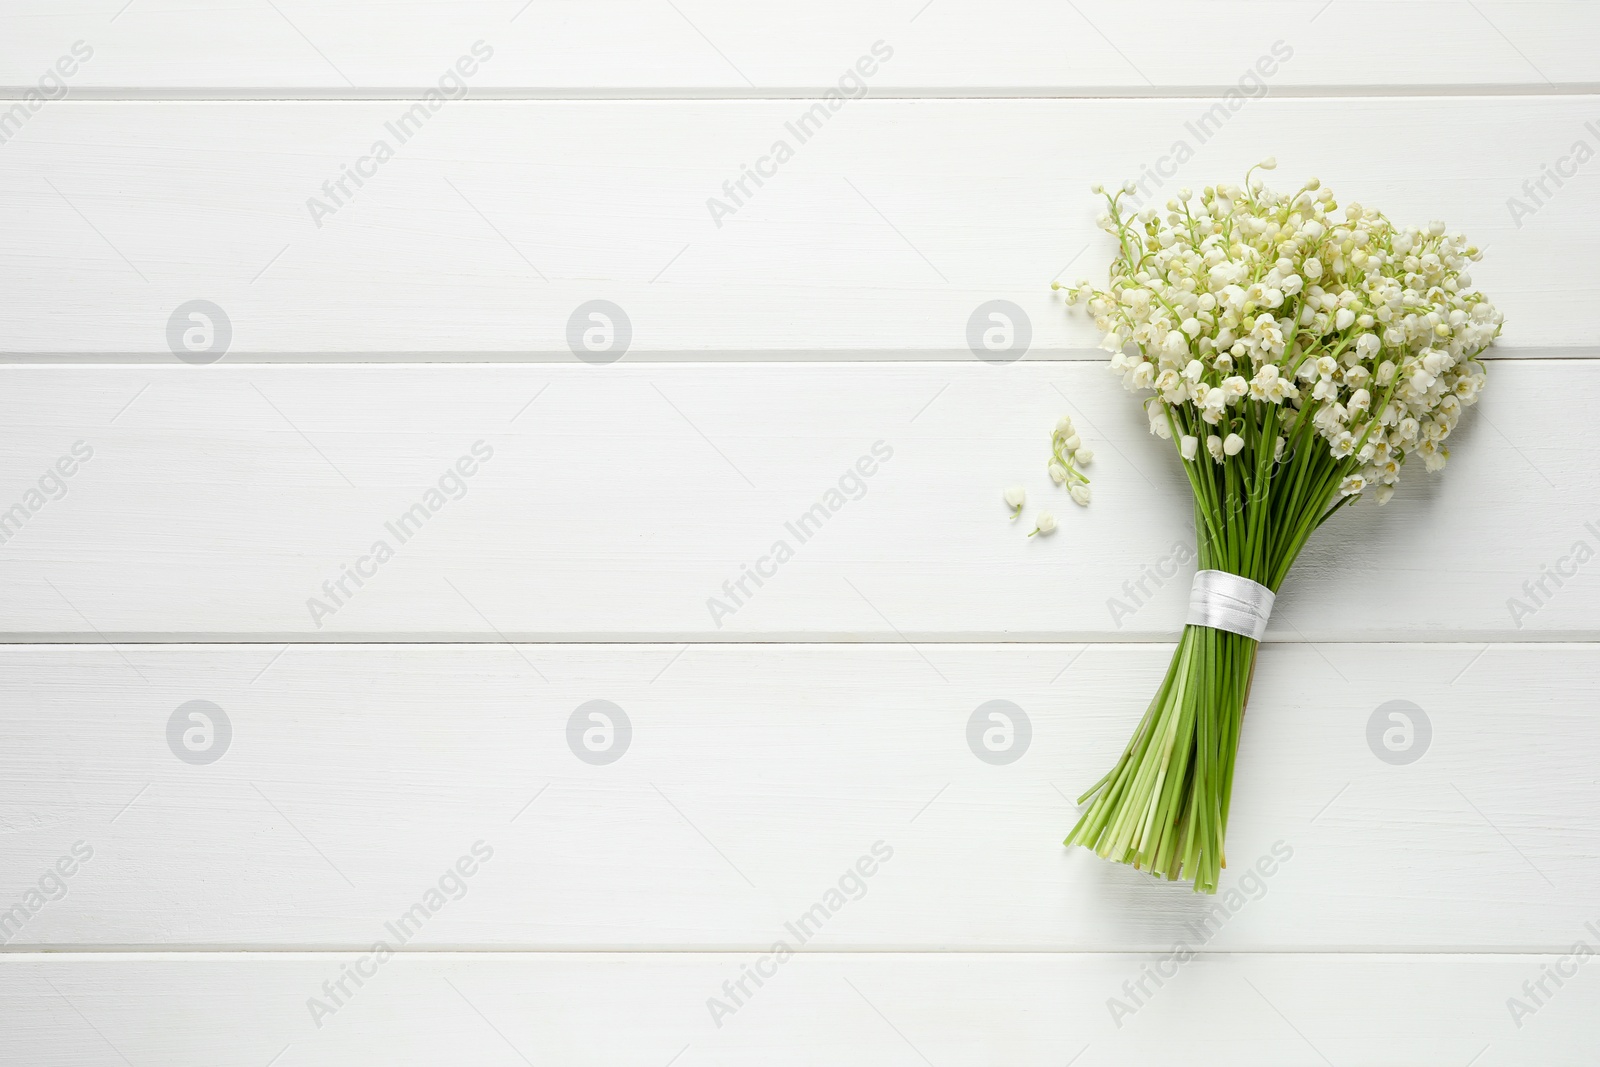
x,y
1230,602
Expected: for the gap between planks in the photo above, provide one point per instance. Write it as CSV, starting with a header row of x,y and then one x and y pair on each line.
x,y
84,953
275,95
1575,640
771,356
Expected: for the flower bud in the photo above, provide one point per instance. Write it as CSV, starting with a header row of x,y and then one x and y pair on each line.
x,y
1080,495
1045,523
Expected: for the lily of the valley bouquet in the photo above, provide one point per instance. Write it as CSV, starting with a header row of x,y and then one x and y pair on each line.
x,y
1296,360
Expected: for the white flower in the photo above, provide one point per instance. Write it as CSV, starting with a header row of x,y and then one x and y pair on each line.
x,y
1384,493
1070,443
1083,457
1058,473
1232,445
1044,524
1376,353
1189,445
1063,425
1080,494
1015,497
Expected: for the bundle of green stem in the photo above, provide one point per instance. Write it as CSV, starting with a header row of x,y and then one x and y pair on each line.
x,y
1296,360
1164,806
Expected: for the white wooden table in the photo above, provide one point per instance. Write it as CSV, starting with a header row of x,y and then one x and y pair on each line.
x,y
242,746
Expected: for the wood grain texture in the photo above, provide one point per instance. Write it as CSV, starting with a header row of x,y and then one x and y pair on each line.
x,y
807,756
754,781
893,222
220,47
953,1011
626,502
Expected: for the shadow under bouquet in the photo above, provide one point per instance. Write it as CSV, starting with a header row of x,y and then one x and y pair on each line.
x,y
1297,359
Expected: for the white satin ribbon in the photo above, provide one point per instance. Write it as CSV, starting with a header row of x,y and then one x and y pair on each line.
x,y
1229,602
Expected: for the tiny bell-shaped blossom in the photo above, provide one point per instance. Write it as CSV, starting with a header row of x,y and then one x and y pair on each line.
x,y
1368,331
1044,524
1015,497
1080,494
1063,425
1058,473
1083,457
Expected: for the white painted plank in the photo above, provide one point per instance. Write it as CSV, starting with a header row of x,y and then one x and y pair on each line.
x,y
625,502
753,781
948,1010
1016,46
887,230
